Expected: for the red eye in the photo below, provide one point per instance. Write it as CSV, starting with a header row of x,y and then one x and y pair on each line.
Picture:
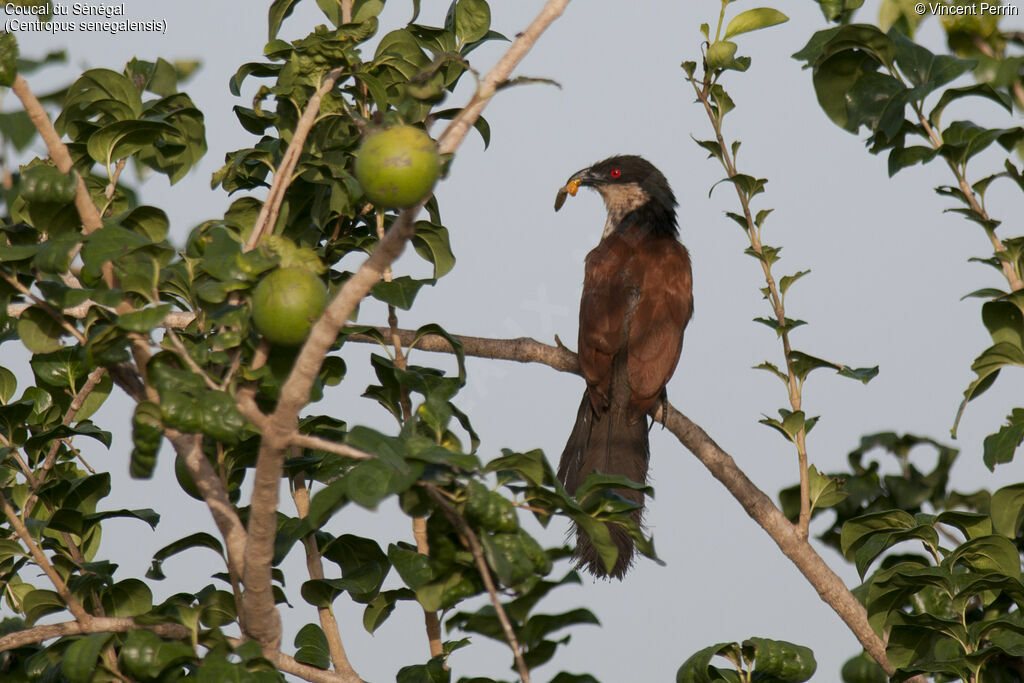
x,y
615,173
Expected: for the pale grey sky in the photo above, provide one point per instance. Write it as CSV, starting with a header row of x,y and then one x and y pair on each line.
x,y
888,272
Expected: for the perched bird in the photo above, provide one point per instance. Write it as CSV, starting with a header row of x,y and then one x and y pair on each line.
x,y
637,300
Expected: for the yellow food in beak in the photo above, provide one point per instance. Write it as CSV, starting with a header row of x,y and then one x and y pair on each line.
x,y
573,187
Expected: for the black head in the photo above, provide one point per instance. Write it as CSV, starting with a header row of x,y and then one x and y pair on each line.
x,y
634,191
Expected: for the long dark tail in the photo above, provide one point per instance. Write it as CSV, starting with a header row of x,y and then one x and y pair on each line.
x,y
610,444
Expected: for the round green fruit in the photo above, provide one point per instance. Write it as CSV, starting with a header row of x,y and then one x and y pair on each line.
x,y
286,303
397,166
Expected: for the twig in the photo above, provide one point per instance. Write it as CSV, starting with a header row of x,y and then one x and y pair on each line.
x,y
321,444
283,175
485,573
775,298
91,382
54,314
315,566
430,620
965,187
73,605
262,620
757,504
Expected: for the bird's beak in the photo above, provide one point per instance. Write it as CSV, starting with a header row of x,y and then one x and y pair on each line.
x,y
585,178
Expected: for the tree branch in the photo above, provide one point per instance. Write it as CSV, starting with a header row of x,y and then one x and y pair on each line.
x,y
73,605
91,382
87,211
283,175
38,634
755,502
315,566
262,621
189,447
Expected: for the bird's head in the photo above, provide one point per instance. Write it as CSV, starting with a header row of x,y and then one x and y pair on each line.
x,y
632,189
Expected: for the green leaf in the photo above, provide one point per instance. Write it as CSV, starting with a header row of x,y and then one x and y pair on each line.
x,y
753,20
803,364
38,603
987,367
824,491
697,668
78,662
987,554
128,598
531,466
721,54
279,10
400,292
472,20
8,59
999,448
312,647
962,140
779,660
38,331
197,540
413,567
924,69
145,656
1007,510
432,243
124,138
977,90
863,669
8,385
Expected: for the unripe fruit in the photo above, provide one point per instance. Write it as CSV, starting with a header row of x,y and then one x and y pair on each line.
x,y
397,166
286,303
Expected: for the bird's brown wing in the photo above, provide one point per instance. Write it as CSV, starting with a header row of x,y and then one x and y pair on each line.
x,y
661,315
607,287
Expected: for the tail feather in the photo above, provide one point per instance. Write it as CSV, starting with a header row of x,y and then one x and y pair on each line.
x,y
610,443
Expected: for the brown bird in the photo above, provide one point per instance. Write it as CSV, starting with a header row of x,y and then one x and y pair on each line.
x,y
637,300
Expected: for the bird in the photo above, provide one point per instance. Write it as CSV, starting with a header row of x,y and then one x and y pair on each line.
x,y
637,300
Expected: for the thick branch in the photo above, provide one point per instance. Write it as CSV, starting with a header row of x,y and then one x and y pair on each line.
x,y
261,618
757,504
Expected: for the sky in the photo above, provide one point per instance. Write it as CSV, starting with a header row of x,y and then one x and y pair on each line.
x,y
888,273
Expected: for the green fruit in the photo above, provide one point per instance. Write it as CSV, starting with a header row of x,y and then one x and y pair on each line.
x,y
185,480
397,166
286,303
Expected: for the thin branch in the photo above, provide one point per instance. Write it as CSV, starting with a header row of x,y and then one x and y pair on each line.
x,y
755,502
485,573
261,618
321,444
38,634
87,210
43,562
775,298
54,314
283,175
315,566
91,382
430,619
